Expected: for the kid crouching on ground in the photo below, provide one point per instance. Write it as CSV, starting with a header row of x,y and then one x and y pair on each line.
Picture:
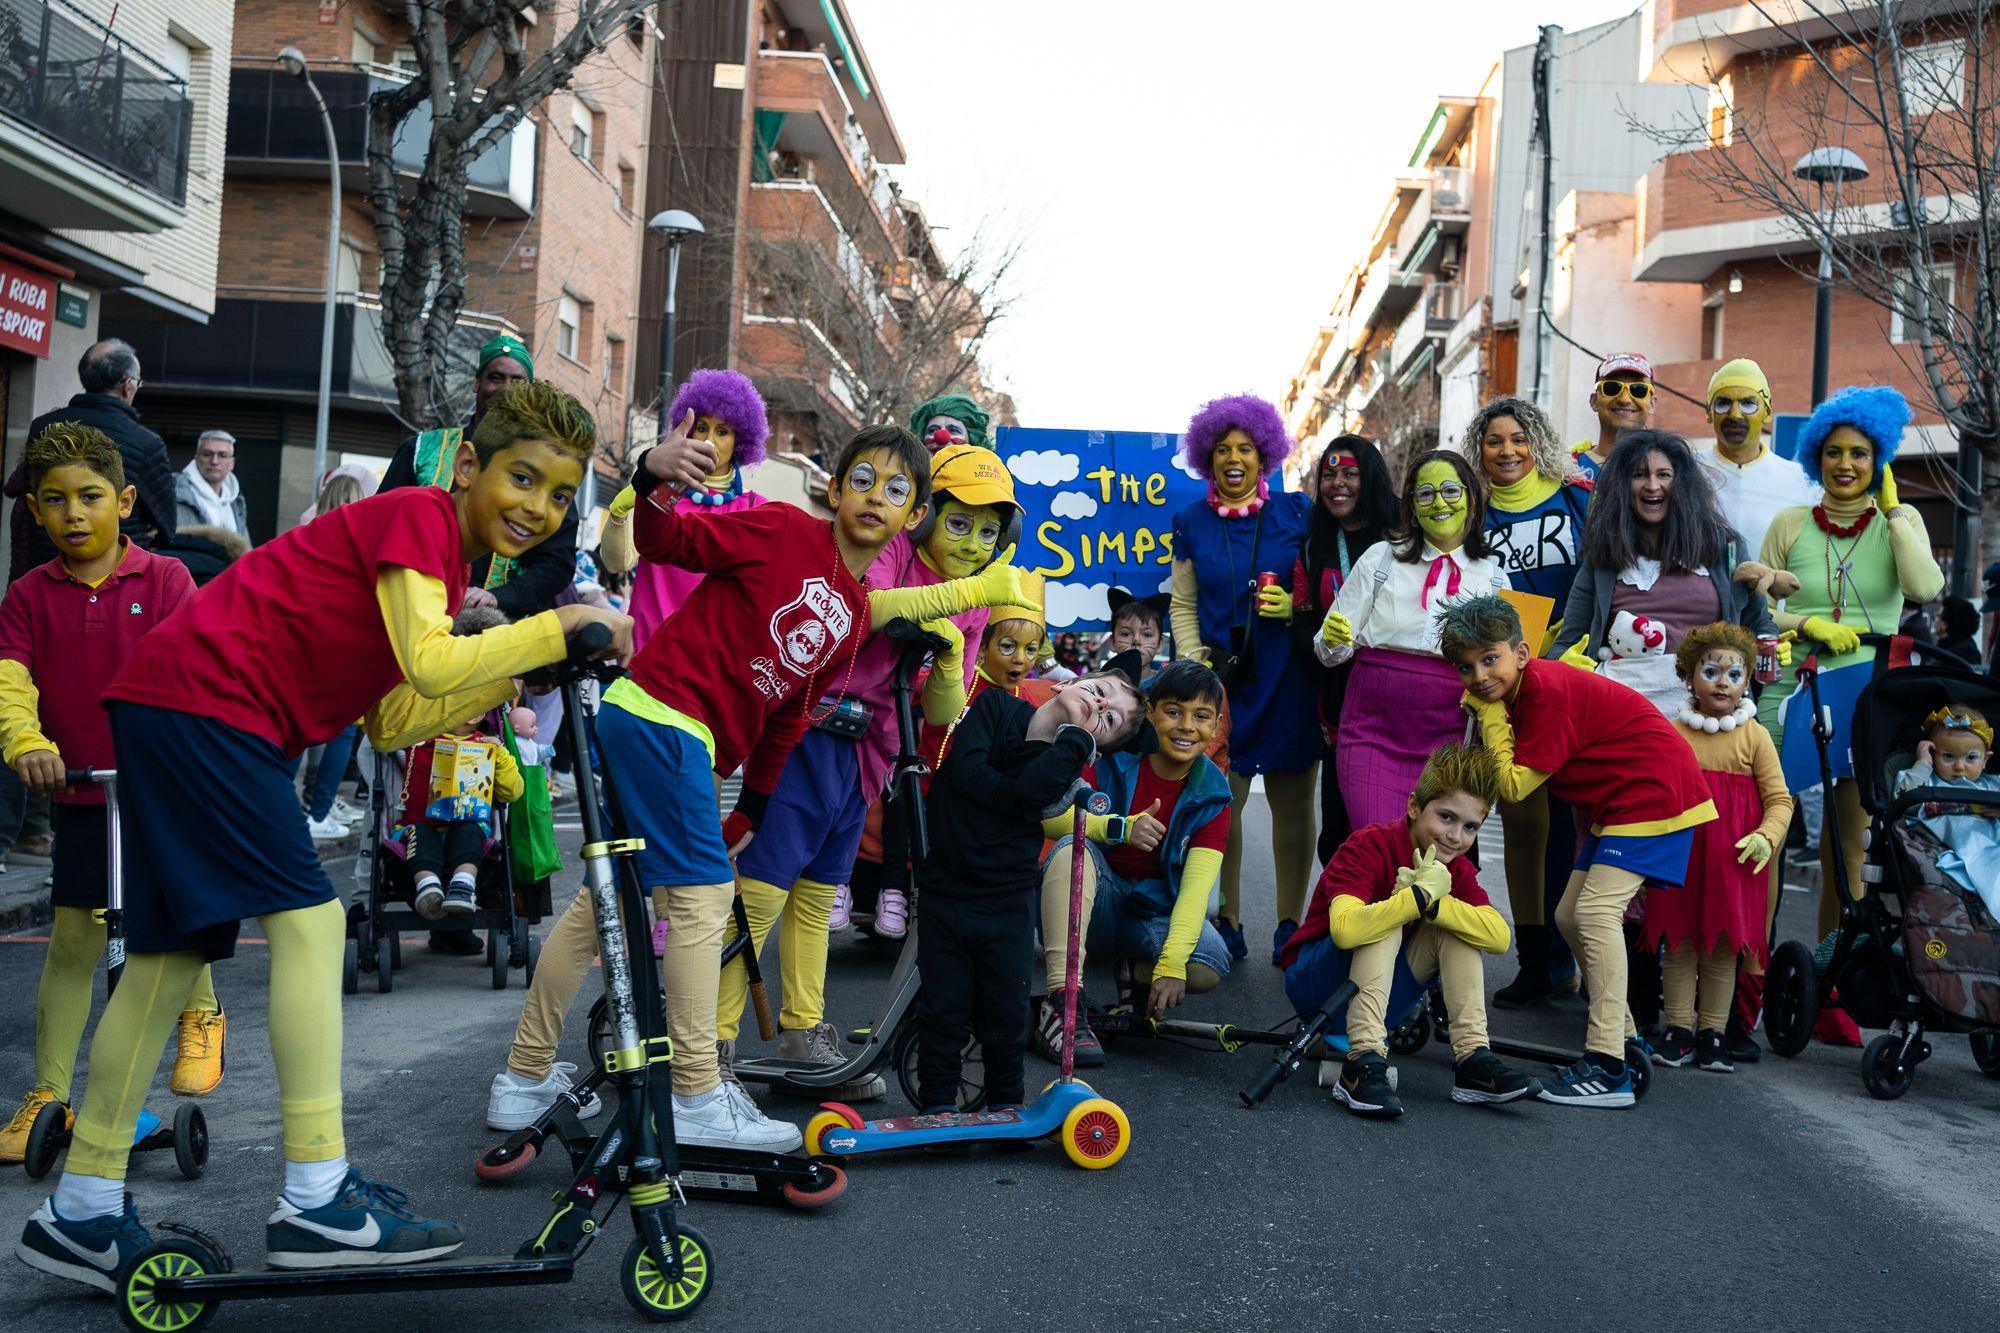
x,y
1008,764
1634,783
1398,905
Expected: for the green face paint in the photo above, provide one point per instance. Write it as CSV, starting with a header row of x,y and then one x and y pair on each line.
x,y
964,538
1441,505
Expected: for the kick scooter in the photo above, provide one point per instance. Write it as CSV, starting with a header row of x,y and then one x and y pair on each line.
x,y
1093,1130
51,1132
175,1284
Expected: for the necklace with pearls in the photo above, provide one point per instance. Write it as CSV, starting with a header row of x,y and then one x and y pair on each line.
x,y
1697,721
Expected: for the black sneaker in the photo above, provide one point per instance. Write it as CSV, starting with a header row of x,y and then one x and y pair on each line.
x,y
1483,1079
1712,1054
1585,1083
1675,1049
1048,1034
1364,1088
1741,1047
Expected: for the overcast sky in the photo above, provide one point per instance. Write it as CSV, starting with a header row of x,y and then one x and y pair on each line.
x,y
1191,179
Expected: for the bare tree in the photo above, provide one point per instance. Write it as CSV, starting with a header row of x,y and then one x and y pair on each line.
x,y
478,78
1402,419
1918,86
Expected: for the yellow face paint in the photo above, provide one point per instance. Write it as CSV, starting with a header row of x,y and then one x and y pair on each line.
x,y
1738,415
1847,463
1441,505
722,436
964,538
1235,467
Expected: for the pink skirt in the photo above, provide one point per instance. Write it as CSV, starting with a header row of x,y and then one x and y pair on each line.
x,y
1400,706
1722,904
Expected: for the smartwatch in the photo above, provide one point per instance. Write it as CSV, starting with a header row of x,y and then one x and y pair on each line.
x,y
1115,828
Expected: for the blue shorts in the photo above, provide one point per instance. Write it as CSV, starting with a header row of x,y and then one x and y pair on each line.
x,y
1131,918
211,832
1321,967
665,791
1658,858
813,828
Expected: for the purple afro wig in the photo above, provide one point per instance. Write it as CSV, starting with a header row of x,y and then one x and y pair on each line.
x,y
1876,410
732,398
1247,412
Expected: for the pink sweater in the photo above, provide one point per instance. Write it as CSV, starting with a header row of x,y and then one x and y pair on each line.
x,y
659,590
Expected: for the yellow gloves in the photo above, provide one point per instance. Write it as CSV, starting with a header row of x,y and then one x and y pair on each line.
x,y
621,503
1336,631
1575,656
1887,497
1432,876
1837,637
1274,603
1002,582
999,584
1755,848
1785,649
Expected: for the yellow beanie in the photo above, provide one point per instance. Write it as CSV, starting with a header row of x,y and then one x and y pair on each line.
x,y
1742,373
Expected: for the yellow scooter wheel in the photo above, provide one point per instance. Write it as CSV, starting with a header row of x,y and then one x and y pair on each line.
x,y
1095,1134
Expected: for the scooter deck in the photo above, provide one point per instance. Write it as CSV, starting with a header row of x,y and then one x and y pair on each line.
x,y
439,1275
1038,1119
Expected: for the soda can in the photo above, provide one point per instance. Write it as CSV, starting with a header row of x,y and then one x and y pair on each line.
x,y
1767,660
1266,580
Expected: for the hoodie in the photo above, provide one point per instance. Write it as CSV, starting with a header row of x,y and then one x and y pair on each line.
x,y
196,503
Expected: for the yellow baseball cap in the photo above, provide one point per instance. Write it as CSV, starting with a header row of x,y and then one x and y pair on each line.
x,y
971,475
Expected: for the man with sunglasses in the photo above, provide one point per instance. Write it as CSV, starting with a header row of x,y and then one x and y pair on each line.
x,y
1752,481
1623,400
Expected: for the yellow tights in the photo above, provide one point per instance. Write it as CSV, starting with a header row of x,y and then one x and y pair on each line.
x,y
62,1000
807,912
1290,796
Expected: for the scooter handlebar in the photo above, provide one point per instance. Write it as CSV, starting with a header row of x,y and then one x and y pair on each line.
x,y
591,639
77,777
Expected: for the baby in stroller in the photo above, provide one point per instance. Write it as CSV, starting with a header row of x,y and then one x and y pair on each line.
x,y
447,816
1958,742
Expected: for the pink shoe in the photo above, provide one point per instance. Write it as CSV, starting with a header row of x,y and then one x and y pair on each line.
x,y
892,915
843,902
660,938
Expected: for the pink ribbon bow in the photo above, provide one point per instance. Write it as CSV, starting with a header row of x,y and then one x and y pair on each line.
x,y
1445,567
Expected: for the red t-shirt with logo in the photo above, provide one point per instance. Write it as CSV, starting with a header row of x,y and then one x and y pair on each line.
x,y
73,638
1134,864
288,643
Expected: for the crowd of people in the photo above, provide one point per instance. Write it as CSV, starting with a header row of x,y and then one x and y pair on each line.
x,y
1594,644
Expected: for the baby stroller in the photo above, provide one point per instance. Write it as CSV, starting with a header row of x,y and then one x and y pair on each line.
x,y
375,926
1916,951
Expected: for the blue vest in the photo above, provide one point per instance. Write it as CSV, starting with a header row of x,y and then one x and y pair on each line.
x,y
1205,794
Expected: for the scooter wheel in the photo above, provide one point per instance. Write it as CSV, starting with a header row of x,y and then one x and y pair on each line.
x,y
534,959
350,969
1095,1134
833,1184
659,1298
46,1138
502,1162
1641,1066
1413,1033
190,1141
827,1122
141,1311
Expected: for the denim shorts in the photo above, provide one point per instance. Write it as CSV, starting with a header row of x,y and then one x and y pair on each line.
x,y
1131,918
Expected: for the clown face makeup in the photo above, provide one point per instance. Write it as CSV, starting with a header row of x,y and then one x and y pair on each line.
x,y
1506,455
1340,485
953,428
1847,463
1718,682
1011,651
1738,415
1958,755
722,436
964,538
1440,502
872,503
1234,466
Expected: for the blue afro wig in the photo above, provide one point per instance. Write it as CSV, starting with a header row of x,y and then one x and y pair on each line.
x,y
732,398
1876,410
1248,413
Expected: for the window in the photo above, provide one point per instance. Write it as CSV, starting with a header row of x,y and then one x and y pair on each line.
x,y
1934,76
580,125
365,42
178,57
569,325
614,365
1711,327
1913,304
628,188
1722,112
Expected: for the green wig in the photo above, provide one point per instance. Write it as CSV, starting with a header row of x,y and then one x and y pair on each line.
x,y
954,405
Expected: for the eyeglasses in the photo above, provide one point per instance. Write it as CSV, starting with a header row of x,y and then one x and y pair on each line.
x,y
216,455
1425,496
1724,405
896,490
1639,389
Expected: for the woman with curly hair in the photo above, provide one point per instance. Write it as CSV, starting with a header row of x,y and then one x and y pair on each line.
x,y
729,413
1356,508
1223,545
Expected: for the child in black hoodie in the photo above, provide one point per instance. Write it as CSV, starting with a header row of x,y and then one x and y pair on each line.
x,y
1005,766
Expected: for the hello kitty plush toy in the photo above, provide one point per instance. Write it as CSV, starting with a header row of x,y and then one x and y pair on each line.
x,y
1633,636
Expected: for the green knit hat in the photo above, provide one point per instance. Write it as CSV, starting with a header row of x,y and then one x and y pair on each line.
x,y
506,344
955,405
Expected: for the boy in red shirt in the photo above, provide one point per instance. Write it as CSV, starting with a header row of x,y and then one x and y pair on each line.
x,y
348,615
1397,905
69,626
1635,785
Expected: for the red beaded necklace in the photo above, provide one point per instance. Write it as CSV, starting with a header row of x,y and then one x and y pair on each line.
x,y
1842,531
1836,587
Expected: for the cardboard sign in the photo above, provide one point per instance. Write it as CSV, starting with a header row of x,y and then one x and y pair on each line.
x,y
1536,613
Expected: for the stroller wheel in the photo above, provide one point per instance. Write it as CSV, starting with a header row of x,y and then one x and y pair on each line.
x,y
1986,1053
385,963
496,954
350,969
534,959
1791,998
1883,1071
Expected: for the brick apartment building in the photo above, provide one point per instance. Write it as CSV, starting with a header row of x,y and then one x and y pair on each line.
x,y
561,277
111,152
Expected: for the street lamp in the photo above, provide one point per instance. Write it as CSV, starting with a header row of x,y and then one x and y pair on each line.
x,y
293,62
1824,167
677,225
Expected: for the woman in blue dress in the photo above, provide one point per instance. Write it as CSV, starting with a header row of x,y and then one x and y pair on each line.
x,y
1222,544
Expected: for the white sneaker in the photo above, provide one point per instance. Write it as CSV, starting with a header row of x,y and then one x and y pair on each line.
x,y
326,830
838,919
728,1119
346,813
430,900
516,1102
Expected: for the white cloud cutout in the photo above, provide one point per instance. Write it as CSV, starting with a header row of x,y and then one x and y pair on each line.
x,y
1074,504
1166,582
1181,461
1044,467
1070,602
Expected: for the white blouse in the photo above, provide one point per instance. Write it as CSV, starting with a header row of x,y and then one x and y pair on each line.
x,y
1394,603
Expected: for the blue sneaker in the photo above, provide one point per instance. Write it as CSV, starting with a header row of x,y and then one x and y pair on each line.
x,y
366,1224
1278,939
1232,936
1584,1084
93,1251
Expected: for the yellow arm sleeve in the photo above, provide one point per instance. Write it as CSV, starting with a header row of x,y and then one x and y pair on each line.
x,y
1355,923
448,678
1198,880
1771,788
20,713
1182,602
1057,827
507,784
1916,568
1516,783
1481,927
616,547
935,601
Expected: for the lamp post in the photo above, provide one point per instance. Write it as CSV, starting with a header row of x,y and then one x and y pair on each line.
x,y
677,225
1824,167
293,61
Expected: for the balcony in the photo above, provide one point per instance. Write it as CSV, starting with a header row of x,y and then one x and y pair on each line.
x,y
96,132
1432,235
807,130
1690,41
1427,324
275,130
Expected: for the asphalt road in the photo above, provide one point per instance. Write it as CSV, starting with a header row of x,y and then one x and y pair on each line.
x,y
1782,1197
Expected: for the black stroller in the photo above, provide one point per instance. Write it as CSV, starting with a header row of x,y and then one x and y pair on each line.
x,y
1916,950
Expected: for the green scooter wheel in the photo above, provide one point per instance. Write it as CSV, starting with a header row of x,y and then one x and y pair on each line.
x,y
141,1310
658,1297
